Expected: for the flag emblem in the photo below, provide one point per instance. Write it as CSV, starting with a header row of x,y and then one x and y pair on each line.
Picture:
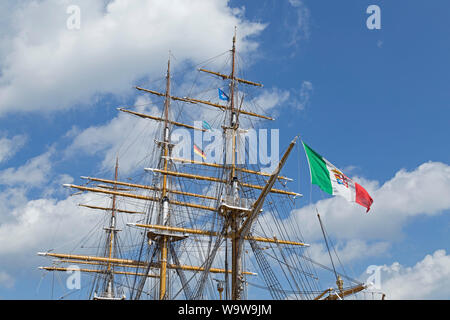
x,y
331,180
340,177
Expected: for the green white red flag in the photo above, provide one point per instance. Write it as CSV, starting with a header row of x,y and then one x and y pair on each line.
x,y
331,180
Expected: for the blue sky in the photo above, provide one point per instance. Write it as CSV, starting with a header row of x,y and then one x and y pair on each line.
x,y
373,102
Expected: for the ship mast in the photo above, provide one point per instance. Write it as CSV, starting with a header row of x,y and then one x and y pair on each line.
x,y
237,214
111,233
164,217
234,215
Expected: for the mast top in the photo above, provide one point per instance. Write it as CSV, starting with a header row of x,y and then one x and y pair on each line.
x,y
168,63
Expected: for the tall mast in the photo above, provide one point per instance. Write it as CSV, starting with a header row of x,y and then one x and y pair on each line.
x,y
112,231
164,199
237,214
234,215
113,214
233,119
108,289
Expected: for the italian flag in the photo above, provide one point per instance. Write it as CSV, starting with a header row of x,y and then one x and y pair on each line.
x,y
331,180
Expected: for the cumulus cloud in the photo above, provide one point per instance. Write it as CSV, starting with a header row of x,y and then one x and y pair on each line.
x,y
12,198
269,102
272,100
427,279
348,251
116,44
33,173
49,224
422,191
41,221
131,138
358,235
126,136
9,147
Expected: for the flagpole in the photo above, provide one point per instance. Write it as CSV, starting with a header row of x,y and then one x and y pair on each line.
x,y
328,248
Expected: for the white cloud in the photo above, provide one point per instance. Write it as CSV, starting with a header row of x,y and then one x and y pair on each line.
x,y
348,251
427,279
41,225
300,29
350,169
50,224
54,186
41,221
33,173
302,98
10,199
116,45
132,138
269,99
126,136
358,235
9,147
423,191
